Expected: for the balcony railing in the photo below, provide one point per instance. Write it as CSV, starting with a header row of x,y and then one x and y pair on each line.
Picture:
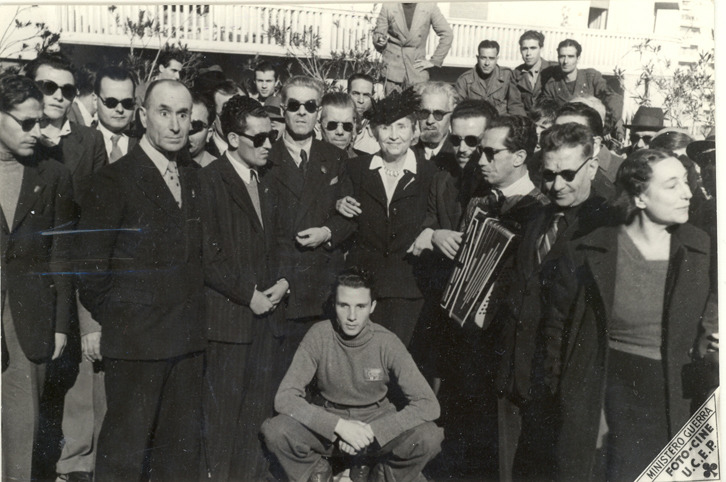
x,y
245,29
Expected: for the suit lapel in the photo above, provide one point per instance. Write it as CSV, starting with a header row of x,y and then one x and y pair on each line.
x,y
152,183
400,19
314,180
372,184
602,261
73,149
408,186
286,168
238,192
30,190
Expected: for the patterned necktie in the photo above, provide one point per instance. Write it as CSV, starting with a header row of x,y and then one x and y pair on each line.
x,y
548,239
171,176
303,161
116,153
495,200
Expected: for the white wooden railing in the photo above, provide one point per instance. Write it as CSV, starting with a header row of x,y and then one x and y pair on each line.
x,y
243,29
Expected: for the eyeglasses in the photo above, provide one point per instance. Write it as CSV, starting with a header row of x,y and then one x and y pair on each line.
x,y
25,124
112,102
471,141
490,152
197,127
258,140
424,114
48,87
635,137
567,175
294,105
331,126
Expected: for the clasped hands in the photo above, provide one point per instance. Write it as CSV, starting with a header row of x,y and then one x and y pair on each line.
x,y
265,301
353,436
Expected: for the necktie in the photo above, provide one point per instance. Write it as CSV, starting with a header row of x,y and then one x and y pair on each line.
x,y
171,176
116,153
303,161
94,124
254,191
428,152
495,199
549,238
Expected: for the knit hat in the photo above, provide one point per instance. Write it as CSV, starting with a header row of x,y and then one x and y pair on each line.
x,y
396,106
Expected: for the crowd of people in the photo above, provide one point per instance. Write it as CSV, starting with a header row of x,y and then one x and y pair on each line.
x,y
245,282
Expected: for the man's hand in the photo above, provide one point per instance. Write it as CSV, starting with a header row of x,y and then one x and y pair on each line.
x,y
91,346
422,243
356,434
60,345
312,237
345,447
276,292
348,207
423,64
381,39
260,303
447,241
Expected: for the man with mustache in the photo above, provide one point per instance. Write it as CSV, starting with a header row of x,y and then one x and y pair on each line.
x,y
438,100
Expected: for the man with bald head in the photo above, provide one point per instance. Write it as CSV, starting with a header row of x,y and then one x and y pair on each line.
x,y
140,255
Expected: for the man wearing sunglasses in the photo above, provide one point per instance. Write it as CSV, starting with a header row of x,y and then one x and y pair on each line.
x,y
337,121
307,175
203,117
115,91
239,210
35,198
438,100
81,149
575,209
646,123
490,81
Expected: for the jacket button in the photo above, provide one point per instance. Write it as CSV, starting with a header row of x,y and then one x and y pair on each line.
x,y
385,255
393,236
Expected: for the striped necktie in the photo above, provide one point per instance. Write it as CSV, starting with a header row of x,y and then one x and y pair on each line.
x,y
548,239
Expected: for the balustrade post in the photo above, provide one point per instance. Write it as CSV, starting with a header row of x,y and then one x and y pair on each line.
x,y
327,32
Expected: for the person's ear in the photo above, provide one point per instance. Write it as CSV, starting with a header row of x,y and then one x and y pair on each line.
x,y
142,116
373,306
638,201
233,140
592,168
520,157
597,145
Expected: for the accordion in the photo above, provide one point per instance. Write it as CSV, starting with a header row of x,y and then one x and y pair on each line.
x,y
476,268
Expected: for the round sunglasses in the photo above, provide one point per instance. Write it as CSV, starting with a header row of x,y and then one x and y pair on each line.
x,y
331,126
567,175
112,102
424,114
258,140
48,87
197,127
294,105
471,141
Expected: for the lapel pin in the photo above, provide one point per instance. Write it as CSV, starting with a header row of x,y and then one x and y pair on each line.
x,y
36,189
324,169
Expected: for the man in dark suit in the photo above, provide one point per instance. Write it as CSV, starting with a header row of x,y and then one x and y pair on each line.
x,y
438,100
79,148
142,279
533,73
115,90
239,211
575,210
36,197
306,175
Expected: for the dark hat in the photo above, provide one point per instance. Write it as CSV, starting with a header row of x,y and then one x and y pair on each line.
x,y
209,78
396,106
703,152
273,107
647,118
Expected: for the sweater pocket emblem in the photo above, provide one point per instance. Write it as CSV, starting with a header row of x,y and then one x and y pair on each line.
x,y
374,374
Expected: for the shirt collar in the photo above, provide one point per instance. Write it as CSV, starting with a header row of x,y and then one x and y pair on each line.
x,y
520,187
534,70
243,170
295,148
408,165
87,117
435,151
107,134
220,143
159,159
50,136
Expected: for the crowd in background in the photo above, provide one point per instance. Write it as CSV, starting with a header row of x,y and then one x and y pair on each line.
x,y
168,256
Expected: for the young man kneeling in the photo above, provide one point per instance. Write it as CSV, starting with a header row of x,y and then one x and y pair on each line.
x,y
353,360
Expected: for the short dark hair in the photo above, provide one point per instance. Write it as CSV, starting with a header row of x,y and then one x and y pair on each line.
x,y
355,277
55,60
236,111
568,42
266,66
632,180
16,89
360,76
337,99
203,99
670,141
86,79
591,116
488,44
170,53
474,108
532,35
544,108
227,87
521,132
567,135
119,74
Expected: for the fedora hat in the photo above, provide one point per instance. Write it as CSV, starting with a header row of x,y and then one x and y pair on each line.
x,y
647,118
273,107
703,152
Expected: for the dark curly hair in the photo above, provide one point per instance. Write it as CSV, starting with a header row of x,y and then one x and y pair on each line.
x,y
521,135
16,89
591,116
568,42
355,277
632,180
55,60
236,111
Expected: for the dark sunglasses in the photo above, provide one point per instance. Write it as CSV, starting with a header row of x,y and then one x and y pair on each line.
x,y
112,102
48,87
424,114
567,175
294,105
26,124
258,140
331,126
197,127
634,138
490,152
471,141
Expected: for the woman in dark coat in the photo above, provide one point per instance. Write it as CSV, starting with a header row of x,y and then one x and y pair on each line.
x,y
631,303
